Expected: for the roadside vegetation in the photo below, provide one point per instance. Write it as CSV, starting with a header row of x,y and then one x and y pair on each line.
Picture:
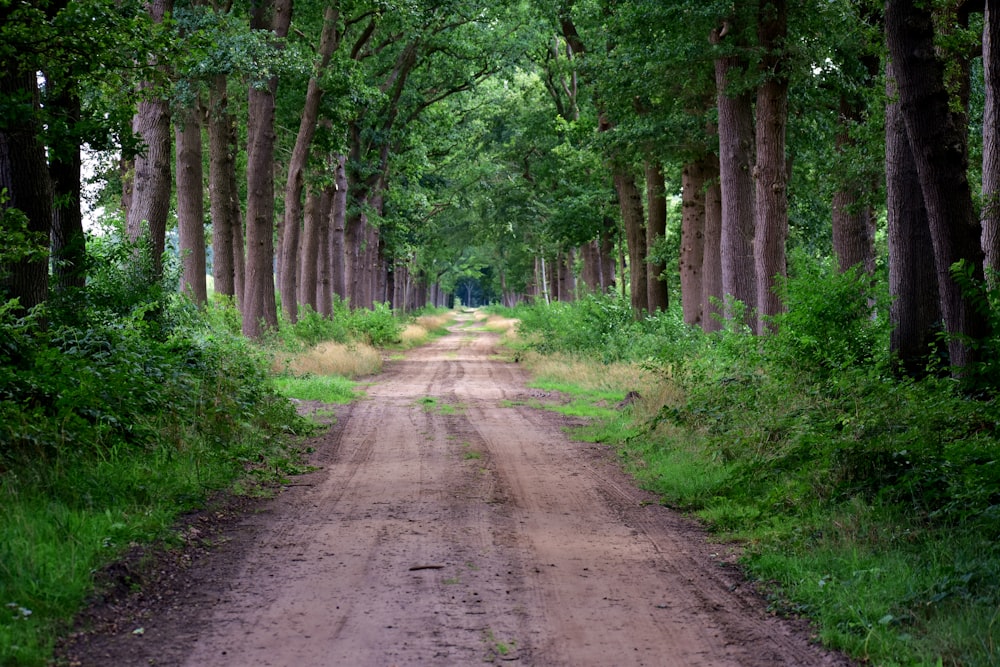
x,y
865,501
122,408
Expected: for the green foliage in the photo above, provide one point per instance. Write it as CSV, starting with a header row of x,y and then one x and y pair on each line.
x,y
378,327
123,410
868,501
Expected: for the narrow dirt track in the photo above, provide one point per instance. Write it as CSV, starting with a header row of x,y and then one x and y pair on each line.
x,y
458,531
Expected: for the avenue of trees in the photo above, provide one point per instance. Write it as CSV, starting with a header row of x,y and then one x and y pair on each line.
x,y
407,152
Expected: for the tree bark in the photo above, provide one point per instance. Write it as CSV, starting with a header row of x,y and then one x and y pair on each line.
x,y
190,206
692,254
656,228
150,189
736,135
259,307
937,140
25,176
338,216
770,173
915,311
630,203
853,220
712,290
309,257
69,246
991,143
297,167
324,290
224,207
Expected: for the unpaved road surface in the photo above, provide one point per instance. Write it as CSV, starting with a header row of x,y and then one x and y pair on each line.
x,y
449,524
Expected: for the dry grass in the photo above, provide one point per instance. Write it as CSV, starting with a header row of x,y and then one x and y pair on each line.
x,y
588,374
506,326
413,335
419,331
438,322
356,360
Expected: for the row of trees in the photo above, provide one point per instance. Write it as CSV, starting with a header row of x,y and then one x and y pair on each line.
x,y
385,151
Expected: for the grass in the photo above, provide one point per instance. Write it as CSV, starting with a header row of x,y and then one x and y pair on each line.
x,y
324,388
348,360
864,502
62,523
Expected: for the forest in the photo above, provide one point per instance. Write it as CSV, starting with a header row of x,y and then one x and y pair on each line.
x,y
784,212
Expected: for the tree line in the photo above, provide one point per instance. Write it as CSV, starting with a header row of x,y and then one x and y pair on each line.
x,y
392,151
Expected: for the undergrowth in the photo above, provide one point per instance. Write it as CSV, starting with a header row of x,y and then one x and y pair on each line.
x,y
122,406
867,502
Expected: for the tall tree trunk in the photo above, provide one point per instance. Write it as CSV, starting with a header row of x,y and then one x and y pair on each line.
x,y
656,228
338,217
938,142
991,143
853,219
915,310
297,165
692,254
25,177
771,176
259,307
736,151
150,188
712,290
309,257
69,247
222,196
608,260
324,292
630,203
190,205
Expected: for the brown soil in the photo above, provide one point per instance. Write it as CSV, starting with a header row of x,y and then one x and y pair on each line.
x,y
462,530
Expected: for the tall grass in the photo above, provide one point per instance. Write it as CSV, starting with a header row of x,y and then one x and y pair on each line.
x,y
864,501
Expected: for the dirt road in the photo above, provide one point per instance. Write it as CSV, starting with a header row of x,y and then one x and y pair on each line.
x,y
449,525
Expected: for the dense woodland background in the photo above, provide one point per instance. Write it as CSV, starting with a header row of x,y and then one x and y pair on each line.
x,y
783,211
382,152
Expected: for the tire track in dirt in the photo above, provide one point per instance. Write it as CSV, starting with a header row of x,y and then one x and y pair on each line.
x,y
461,531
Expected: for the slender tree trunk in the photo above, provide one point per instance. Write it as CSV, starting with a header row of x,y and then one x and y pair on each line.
x,y
323,292
297,167
259,307
190,206
315,218
25,177
736,135
608,260
938,143
221,176
712,290
630,202
338,217
853,220
991,143
69,248
656,228
692,254
771,220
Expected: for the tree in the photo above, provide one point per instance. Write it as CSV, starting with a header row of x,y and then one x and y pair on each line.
x,y
259,307
736,151
149,203
915,310
770,171
938,142
190,203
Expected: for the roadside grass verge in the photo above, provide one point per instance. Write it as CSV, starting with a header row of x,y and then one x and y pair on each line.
x,y
865,502
334,389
